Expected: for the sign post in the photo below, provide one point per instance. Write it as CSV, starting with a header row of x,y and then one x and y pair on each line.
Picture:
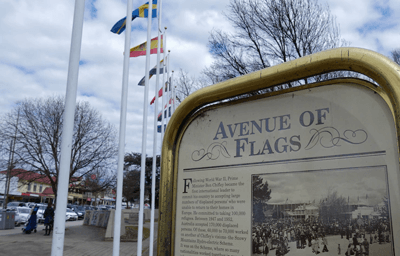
x,y
247,176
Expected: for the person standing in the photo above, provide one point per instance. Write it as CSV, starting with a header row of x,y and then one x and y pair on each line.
x,y
48,219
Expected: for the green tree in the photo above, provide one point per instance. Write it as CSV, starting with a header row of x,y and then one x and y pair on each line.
x,y
132,169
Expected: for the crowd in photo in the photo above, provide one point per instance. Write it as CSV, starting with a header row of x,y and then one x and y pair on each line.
x,y
272,237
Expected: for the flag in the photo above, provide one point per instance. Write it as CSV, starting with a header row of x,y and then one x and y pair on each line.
x,y
166,85
160,92
140,50
169,112
141,12
159,117
159,127
170,100
152,72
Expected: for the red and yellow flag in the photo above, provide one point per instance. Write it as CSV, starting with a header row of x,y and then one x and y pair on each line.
x,y
140,50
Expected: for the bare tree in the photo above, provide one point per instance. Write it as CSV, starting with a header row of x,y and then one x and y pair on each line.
x,y
270,31
38,138
100,180
396,56
185,85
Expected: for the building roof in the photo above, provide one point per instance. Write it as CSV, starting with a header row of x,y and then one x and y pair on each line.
x,y
48,191
29,176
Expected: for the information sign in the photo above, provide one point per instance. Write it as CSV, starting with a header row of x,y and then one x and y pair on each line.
x,y
285,174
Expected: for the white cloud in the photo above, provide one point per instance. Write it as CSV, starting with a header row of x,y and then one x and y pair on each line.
x,y
369,24
36,36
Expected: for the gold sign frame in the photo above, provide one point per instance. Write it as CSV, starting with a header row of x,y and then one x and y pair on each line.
x,y
381,69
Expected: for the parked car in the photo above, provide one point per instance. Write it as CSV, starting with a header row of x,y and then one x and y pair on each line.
x,y
16,204
70,215
88,207
79,210
40,212
30,204
22,215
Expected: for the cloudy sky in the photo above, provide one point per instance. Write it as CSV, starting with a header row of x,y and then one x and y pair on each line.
x,y
36,34
367,185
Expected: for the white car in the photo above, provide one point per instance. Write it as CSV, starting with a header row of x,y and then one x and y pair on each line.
x,y
40,212
22,215
70,215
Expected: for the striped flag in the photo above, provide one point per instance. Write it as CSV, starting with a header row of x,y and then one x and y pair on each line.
x,y
140,50
152,72
160,93
141,12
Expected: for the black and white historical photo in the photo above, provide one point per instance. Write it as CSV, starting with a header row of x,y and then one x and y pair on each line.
x,y
326,212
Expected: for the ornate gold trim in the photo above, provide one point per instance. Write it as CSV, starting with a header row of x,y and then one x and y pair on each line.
x,y
376,66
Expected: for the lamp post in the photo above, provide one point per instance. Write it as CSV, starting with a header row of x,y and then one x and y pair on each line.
x,y
10,165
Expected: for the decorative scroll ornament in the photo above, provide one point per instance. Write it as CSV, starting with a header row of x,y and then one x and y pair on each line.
x,y
329,137
213,152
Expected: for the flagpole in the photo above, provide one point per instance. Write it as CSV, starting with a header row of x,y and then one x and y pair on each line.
x,y
122,131
153,173
163,98
173,93
144,130
168,96
68,126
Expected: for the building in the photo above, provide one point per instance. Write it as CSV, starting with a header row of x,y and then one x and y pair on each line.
x,y
304,211
26,186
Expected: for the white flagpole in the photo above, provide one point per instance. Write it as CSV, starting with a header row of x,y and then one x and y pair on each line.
x,y
173,93
164,86
144,131
168,96
57,246
153,174
122,131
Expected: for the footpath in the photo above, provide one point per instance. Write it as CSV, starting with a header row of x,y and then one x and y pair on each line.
x,y
79,241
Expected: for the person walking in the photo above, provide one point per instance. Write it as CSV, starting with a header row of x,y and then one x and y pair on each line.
x,y
31,225
48,219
